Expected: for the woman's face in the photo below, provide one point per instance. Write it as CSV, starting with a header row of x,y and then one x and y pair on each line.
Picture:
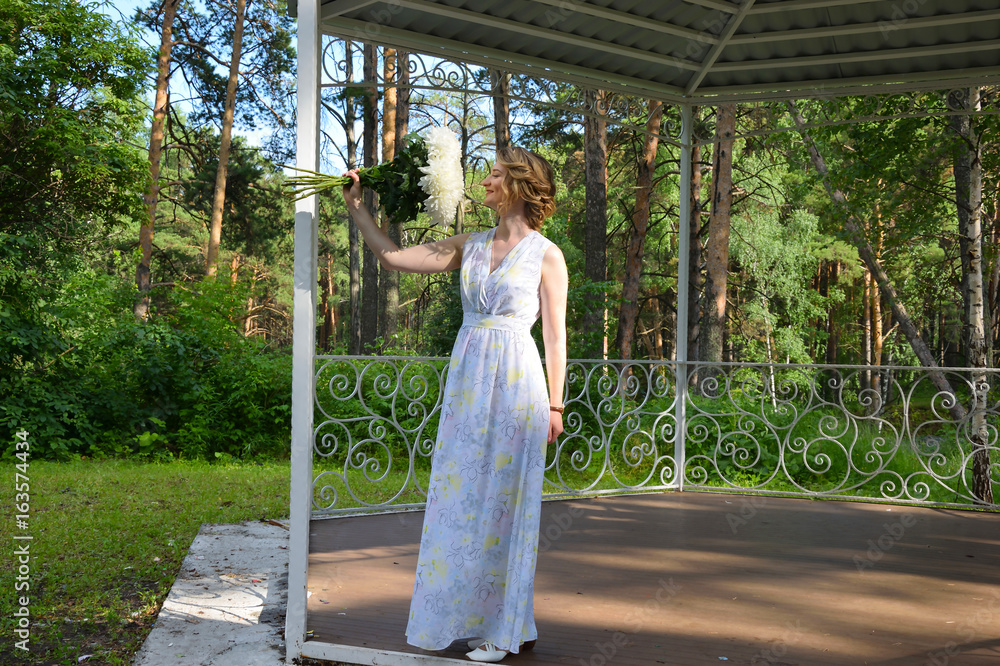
x,y
494,186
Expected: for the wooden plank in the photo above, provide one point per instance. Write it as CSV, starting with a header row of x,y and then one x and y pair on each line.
x,y
688,578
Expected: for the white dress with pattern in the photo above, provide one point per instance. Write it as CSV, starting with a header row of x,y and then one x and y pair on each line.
x,y
479,544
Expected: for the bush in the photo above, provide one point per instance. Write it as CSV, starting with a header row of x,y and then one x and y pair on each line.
x,y
186,383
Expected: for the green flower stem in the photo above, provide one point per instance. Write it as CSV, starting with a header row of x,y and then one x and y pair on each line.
x,y
396,182
315,183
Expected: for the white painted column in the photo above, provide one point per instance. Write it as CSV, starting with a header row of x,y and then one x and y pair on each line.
x,y
683,263
303,327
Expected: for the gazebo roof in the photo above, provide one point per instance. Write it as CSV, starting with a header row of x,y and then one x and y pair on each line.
x,y
690,50
685,52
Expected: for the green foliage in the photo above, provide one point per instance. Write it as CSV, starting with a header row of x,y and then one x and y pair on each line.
x,y
194,381
70,99
79,372
774,251
232,394
70,178
256,218
444,317
56,399
897,176
186,384
71,84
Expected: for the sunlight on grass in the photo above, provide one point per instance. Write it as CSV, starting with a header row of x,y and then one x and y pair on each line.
x,y
109,538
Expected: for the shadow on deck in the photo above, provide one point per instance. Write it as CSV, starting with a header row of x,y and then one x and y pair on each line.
x,y
697,578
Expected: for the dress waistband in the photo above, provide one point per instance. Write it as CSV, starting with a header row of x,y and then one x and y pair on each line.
x,y
480,320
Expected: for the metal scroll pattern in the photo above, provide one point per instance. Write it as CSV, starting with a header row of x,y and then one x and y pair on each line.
x,y
374,426
620,428
820,106
376,420
434,74
891,433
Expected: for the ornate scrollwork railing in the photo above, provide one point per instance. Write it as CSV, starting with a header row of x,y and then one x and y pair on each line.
x,y
620,428
434,74
887,433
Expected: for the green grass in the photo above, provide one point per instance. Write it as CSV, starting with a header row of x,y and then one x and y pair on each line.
x,y
109,539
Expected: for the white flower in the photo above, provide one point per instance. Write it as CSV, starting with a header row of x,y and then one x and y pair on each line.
x,y
443,180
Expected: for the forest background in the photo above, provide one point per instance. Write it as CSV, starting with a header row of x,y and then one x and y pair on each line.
x,y
146,242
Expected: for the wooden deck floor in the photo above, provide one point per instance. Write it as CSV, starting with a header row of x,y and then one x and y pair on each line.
x,y
696,578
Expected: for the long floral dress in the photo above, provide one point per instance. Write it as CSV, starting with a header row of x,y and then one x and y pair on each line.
x,y
479,545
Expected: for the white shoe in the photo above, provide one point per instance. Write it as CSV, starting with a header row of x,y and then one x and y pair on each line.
x,y
485,651
525,646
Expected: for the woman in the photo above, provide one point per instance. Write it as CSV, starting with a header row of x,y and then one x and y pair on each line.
x,y
476,568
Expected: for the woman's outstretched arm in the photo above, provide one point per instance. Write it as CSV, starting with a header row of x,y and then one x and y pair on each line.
x,y
555,283
437,257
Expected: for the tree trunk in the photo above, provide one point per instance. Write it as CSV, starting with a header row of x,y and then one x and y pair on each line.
x,y
402,95
875,305
695,281
962,167
717,246
866,331
669,349
993,296
402,129
143,279
942,340
596,224
969,202
500,85
329,328
832,331
219,196
389,104
388,304
854,230
463,136
876,310
629,311
248,323
369,270
657,328
353,242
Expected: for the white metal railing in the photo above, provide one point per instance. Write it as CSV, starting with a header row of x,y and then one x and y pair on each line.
x,y
882,433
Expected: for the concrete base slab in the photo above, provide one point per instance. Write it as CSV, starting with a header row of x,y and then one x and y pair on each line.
x,y
227,606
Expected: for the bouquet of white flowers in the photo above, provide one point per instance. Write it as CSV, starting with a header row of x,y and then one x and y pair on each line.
x,y
426,174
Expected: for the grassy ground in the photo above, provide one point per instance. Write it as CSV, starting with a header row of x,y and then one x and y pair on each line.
x,y
108,541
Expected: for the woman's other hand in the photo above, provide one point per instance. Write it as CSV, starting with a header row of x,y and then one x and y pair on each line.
x,y
555,426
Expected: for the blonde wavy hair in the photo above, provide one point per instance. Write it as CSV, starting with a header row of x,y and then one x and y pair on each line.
x,y
529,176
